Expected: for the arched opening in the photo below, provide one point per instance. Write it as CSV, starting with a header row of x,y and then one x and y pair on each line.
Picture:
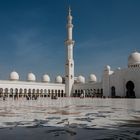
x,y
91,92
16,91
1,92
52,94
130,93
88,94
34,96
29,93
82,94
11,92
25,90
37,91
79,92
62,93
101,92
45,92
58,93
86,91
16,94
98,93
33,91
20,92
113,92
41,93
75,93
94,92
6,92
48,92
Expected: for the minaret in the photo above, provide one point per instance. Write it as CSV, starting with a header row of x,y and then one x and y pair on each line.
x,y
69,66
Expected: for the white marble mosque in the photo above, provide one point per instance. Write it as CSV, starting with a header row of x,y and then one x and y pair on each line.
x,y
122,82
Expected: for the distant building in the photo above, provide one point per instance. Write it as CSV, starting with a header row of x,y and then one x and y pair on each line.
x,y
123,82
118,83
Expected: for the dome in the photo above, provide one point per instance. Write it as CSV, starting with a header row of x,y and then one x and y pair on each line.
x,y
14,76
58,79
107,68
81,79
31,77
92,78
118,68
46,78
134,59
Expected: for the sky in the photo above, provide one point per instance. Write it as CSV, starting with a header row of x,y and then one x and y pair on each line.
x,y
32,35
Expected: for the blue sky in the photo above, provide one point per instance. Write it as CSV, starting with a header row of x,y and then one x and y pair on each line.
x,y
32,34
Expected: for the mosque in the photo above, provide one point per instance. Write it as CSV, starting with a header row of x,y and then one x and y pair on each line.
x,y
118,83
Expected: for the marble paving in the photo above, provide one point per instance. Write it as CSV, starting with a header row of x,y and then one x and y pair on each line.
x,y
113,118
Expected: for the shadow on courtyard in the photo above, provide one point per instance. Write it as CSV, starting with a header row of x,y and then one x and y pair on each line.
x,y
128,130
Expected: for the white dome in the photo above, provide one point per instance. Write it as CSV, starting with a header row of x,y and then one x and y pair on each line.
x,y
58,79
81,79
31,77
14,76
46,78
134,59
92,78
107,68
118,68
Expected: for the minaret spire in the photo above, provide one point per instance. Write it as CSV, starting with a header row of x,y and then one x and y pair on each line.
x,y
69,10
69,66
69,28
